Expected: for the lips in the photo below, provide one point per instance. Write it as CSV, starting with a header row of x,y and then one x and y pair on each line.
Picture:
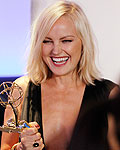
x,y
59,60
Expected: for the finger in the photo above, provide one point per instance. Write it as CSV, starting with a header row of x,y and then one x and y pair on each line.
x,y
37,136
20,146
34,145
38,148
31,138
29,131
34,124
40,143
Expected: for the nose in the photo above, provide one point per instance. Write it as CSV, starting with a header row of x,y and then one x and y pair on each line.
x,y
56,48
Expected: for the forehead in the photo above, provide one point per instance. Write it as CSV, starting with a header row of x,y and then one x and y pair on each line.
x,y
64,25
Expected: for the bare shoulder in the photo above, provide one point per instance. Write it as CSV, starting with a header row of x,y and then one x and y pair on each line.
x,y
22,82
114,92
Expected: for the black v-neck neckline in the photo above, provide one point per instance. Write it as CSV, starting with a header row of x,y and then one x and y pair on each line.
x,y
78,117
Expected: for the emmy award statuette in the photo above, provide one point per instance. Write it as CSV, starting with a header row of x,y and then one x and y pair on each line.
x,y
7,97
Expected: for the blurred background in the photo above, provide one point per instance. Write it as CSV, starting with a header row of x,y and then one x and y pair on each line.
x,y
16,18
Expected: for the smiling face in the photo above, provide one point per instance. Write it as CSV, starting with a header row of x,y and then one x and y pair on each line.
x,y
61,48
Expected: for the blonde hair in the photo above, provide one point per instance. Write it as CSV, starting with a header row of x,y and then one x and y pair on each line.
x,y
86,69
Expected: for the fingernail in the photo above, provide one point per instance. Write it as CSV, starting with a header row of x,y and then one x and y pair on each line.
x,y
37,126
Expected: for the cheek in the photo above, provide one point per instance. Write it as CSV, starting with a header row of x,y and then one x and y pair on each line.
x,y
45,54
76,51
45,51
76,56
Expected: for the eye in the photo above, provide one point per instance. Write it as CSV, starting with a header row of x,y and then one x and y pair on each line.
x,y
66,41
47,41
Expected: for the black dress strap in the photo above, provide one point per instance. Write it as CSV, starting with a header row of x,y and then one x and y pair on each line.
x,y
31,109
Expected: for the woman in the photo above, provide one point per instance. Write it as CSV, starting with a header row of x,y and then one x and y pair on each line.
x,y
63,86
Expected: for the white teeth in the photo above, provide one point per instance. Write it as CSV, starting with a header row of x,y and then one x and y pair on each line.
x,y
60,59
60,63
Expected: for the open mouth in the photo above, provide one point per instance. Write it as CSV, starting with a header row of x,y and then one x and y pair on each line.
x,y
59,60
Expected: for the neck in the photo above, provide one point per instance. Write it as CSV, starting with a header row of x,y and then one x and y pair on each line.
x,y
66,81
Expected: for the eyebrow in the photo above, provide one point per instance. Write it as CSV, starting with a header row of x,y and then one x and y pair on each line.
x,y
62,37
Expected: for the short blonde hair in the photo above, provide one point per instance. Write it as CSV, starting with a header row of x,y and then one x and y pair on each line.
x,y
37,70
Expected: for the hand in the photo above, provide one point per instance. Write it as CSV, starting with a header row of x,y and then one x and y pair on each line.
x,y
29,136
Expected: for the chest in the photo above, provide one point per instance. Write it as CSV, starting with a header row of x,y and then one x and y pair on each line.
x,y
60,111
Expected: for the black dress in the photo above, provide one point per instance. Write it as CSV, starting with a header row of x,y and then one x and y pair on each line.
x,y
90,132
